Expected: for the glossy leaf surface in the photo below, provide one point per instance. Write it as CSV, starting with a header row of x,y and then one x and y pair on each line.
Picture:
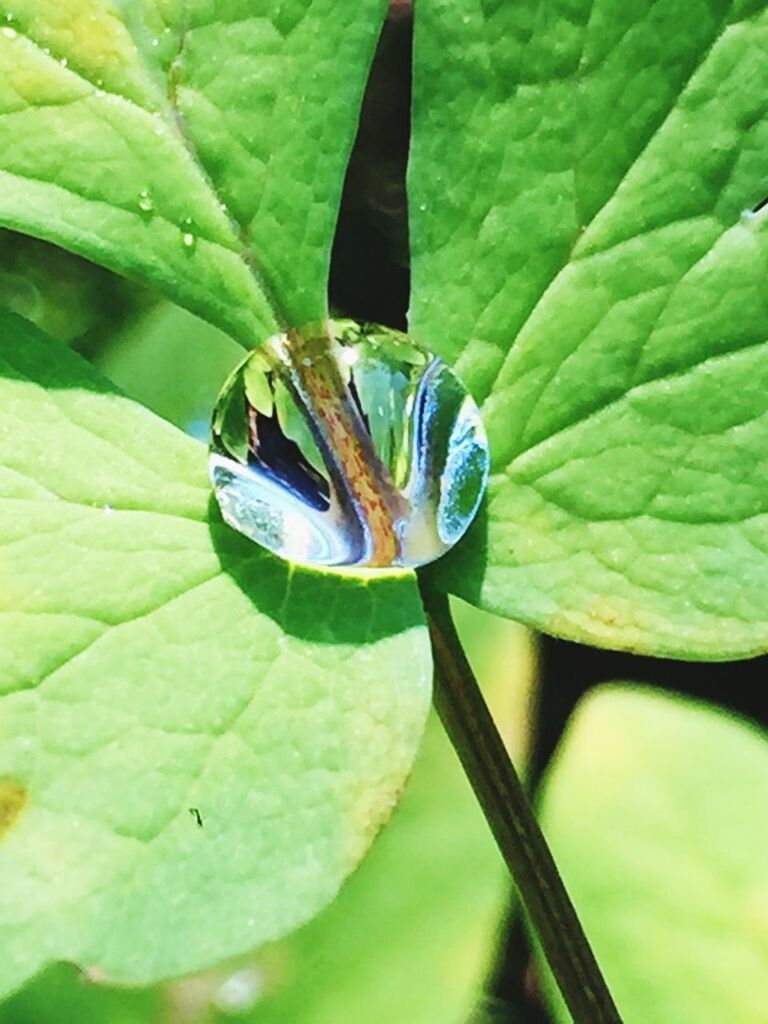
x,y
197,147
151,663
583,249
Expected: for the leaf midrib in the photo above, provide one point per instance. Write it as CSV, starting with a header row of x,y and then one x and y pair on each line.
x,y
174,122
578,241
519,461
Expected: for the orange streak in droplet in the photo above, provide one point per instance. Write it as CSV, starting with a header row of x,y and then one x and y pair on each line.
x,y
363,471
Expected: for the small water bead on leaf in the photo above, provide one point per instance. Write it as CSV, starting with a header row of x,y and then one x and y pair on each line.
x,y
349,448
146,206
188,237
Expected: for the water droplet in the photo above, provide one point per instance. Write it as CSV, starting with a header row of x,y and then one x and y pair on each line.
x,y
145,202
10,33
358,449
64,62
155,42
188,238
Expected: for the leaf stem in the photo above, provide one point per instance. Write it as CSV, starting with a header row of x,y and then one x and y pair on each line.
x,y
498,788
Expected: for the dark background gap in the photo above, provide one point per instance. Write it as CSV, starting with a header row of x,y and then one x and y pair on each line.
x,y
370,280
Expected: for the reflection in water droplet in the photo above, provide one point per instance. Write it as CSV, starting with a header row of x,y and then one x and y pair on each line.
x,y
358,449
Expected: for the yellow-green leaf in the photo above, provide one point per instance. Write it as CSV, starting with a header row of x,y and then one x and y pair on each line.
x,y
581,189
153,667
199,147
655,809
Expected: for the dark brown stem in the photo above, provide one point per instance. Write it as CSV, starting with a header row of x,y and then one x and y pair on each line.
x,y
472,731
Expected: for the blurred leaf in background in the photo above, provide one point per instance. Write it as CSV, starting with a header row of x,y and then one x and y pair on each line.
x,y
61,995
411,936
69,298
655,807
159,353
172,362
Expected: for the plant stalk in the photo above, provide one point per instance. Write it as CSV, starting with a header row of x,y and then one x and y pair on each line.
x,y
498,788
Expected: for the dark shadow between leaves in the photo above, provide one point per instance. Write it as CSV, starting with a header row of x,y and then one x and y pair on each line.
x,y
28,357
319,606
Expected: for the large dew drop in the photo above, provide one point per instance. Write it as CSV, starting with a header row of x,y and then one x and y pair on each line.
x,y
354,449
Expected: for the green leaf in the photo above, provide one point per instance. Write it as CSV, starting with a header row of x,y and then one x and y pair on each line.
x,y
60,995
430,895
655,809
580,250
197,147
152,662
